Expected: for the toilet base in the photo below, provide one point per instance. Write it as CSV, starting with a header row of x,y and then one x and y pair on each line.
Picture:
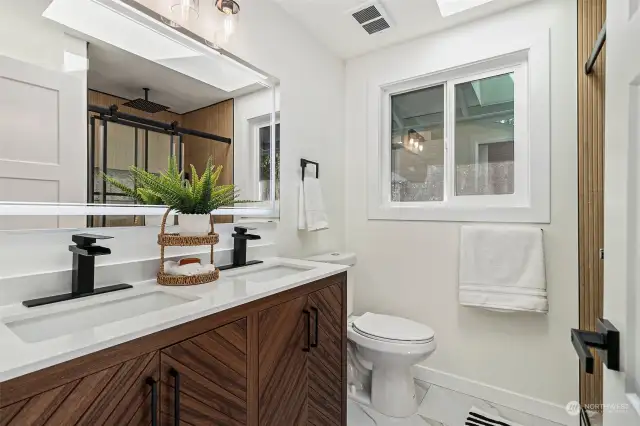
x,y
393,392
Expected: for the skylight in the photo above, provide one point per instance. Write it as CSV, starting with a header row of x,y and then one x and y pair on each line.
x,y
451,7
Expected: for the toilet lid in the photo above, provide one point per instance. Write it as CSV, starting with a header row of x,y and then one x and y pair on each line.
x,y
388,327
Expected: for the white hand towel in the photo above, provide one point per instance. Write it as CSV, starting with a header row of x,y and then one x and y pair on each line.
x,y
478,417
502,268
315,215
302,219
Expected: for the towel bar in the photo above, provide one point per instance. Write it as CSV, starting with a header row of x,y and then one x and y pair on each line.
x,y
303,164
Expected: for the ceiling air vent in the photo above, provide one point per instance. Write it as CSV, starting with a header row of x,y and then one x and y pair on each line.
x,y
372,17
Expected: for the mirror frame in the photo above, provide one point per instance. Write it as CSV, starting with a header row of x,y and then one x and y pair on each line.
x,y
170,29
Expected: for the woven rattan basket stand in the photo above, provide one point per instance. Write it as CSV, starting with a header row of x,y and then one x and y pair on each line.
x,y
177,240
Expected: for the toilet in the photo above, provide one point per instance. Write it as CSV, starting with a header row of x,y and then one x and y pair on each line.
x,y
382,350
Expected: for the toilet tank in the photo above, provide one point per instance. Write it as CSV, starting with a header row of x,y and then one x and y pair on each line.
x,y
341,258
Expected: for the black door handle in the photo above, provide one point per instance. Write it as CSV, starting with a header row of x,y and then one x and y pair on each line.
x,y
317,339
606,340
154,400
307,347
176,397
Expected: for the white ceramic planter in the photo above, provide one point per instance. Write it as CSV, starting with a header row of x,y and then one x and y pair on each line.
x,y
194,224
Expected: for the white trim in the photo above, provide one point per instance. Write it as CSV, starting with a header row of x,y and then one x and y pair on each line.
x,y
532,202
44,209
256,124
526,404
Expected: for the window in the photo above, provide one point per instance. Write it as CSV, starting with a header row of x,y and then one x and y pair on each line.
x,y
263,142
461,145
417,145
484,139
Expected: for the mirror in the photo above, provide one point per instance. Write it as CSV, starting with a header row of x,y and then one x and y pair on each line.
x,y
135,101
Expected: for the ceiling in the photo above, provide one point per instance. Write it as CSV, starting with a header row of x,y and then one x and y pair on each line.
x,y
123,74
331,22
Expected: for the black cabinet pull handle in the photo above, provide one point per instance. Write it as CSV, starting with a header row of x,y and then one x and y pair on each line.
x,y
154,400
307,348
317,339
176,397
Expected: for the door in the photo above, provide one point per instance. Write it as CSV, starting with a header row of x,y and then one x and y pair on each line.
x,y
622,209
43,143
204,379
120,395
326,376
284,342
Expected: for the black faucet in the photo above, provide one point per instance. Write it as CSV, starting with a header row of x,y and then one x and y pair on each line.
x,y
240,238
83,273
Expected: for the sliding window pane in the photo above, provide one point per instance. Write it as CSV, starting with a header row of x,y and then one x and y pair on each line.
x,y
484,136
417,145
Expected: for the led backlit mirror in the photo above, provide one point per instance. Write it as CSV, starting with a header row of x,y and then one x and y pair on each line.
x,y
134,89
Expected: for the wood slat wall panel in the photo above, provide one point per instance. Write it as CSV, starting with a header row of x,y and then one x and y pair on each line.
x,y
591,91
216,119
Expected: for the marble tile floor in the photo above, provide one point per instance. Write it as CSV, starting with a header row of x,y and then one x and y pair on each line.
x,y
439,407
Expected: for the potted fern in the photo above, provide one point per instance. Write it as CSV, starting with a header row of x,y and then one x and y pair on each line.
x,y
194,201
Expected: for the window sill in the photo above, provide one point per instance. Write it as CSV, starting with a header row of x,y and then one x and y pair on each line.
x,y
440,212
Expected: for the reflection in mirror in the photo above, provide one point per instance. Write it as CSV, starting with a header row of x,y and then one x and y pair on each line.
x,y
145,101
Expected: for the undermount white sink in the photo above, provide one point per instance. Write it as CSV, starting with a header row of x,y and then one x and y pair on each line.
x,y
265,273
54,322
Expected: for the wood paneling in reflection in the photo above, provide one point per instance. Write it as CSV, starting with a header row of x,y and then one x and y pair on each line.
x,y
591,91
216,119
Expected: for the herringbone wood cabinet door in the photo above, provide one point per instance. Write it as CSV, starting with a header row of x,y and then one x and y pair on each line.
x,y
117,396
325,359
212,375
283,384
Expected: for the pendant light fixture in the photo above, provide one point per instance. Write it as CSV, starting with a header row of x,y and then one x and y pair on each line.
x,y
186,9
230,9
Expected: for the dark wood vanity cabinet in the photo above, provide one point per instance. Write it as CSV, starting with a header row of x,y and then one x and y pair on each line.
x,y
118,395
207,377
327,361
301,364
277,361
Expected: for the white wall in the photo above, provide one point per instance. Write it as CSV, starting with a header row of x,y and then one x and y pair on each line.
x,y
312,110
411,268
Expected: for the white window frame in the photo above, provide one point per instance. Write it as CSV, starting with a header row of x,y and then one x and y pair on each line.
x,y
256,125
531,199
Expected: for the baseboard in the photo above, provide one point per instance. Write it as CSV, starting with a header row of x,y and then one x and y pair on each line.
x,y
536,407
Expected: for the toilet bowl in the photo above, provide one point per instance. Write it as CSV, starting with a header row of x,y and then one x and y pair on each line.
x,y
390,346
382,351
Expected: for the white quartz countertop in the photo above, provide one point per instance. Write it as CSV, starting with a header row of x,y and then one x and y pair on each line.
x,y
234,288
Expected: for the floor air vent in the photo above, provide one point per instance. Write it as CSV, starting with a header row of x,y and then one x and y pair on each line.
x,y
372,18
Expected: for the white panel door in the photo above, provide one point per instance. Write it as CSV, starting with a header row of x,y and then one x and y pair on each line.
x,y
43,148
622,209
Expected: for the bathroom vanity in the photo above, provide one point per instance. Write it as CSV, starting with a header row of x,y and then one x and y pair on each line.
x,y
241,351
